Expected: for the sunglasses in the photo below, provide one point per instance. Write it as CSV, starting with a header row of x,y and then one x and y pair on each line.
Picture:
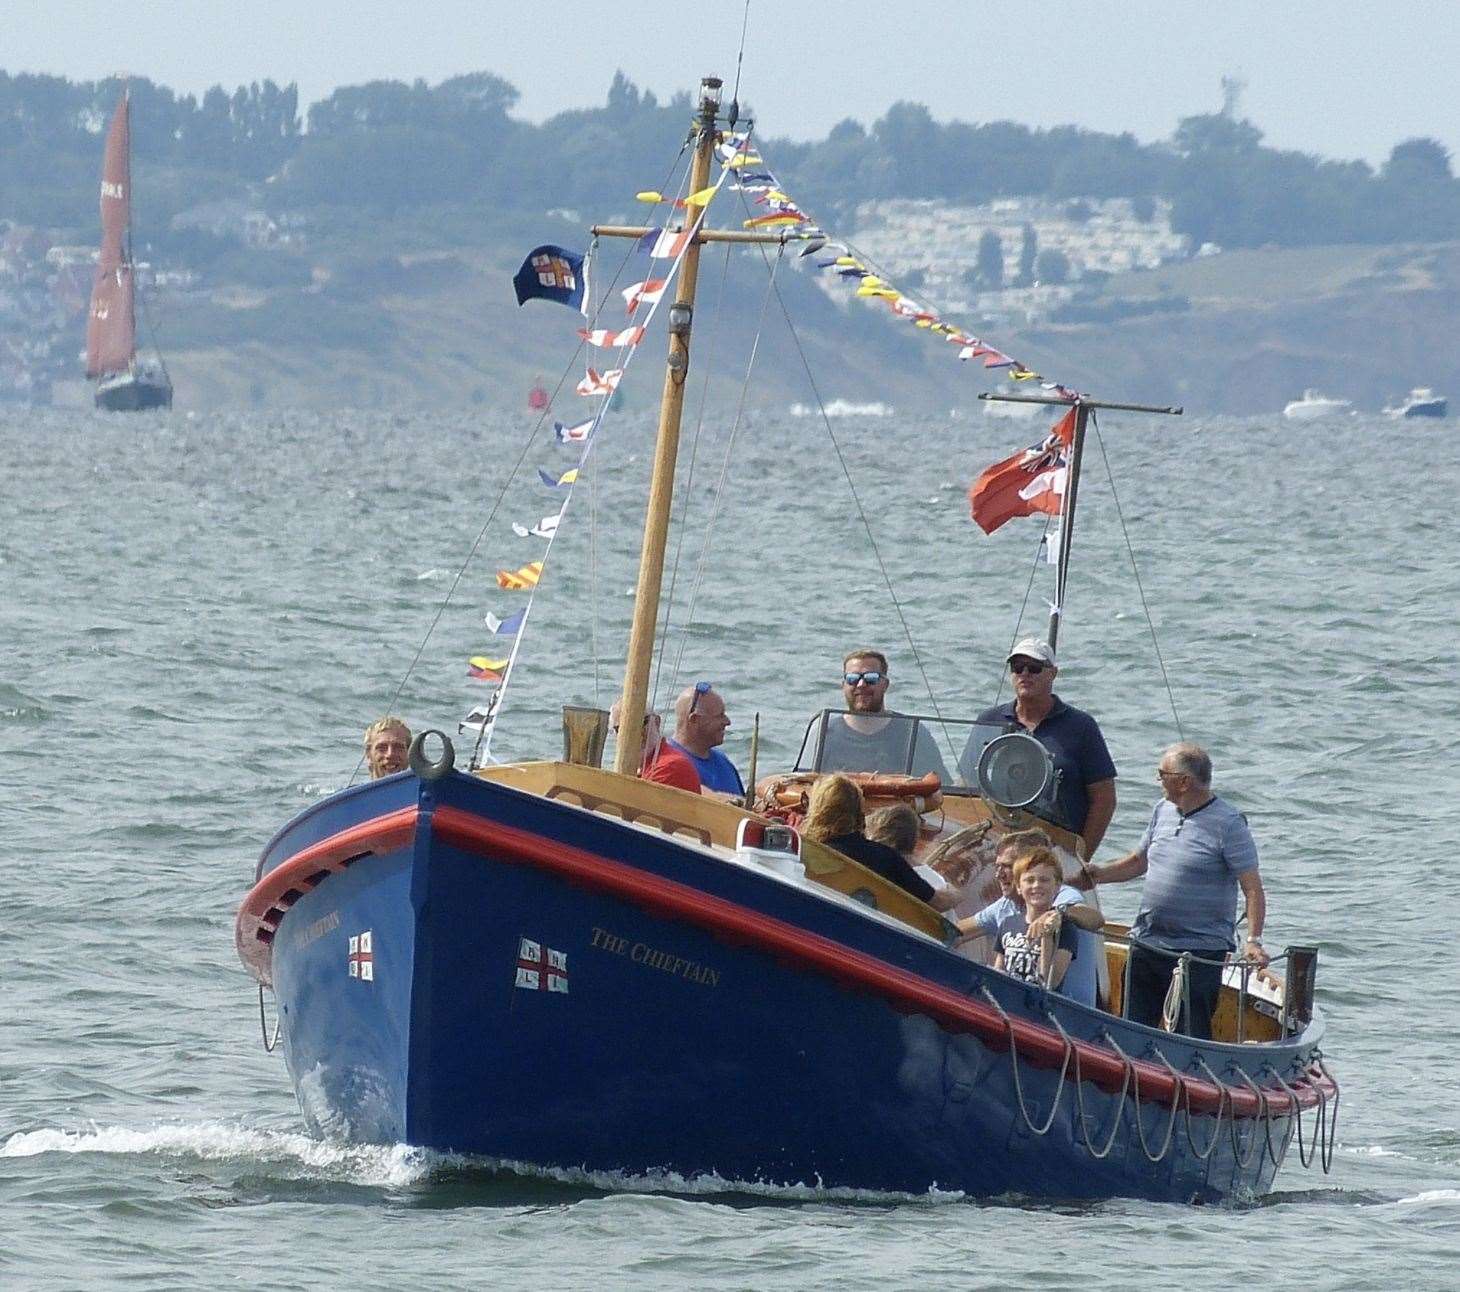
x,y
1034,669
870,678
1162,773
701,688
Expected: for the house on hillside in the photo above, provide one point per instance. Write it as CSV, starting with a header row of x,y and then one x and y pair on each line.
x,y
938,246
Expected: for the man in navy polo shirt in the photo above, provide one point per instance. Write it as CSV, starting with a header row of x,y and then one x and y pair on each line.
x,y
1196,853
700,723
1086,800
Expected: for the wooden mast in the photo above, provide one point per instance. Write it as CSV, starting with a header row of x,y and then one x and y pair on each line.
x,y
666,453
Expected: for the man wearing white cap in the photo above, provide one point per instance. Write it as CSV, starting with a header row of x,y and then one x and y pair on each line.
x,y
1086,800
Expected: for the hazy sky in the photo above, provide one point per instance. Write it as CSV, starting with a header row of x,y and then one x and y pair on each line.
x,y
1343,80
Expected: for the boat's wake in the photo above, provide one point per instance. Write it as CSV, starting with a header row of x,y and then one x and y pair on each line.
x,y
392,1166
401,1166
674,1184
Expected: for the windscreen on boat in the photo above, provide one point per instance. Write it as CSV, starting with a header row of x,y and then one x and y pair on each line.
x,y
897,743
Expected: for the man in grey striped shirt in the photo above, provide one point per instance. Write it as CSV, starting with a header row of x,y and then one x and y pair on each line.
x,y
1196,854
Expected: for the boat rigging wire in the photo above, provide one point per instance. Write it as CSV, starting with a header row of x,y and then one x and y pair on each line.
x,y
593,580
857,503
151,327
1019,620
685,491
626,352
739,60
720,482
1136,570
501,495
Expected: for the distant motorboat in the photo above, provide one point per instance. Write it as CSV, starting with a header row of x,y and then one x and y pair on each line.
x,y
1420,402
1313,406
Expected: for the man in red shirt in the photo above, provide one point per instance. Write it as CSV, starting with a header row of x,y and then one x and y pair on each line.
x,y
660,761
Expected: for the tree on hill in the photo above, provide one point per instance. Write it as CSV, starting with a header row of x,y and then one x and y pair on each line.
x,y
397,146
1028,253
1052,267
1418,161
989,266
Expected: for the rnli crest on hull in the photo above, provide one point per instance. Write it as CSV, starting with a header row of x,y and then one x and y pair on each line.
x,y
362,955
540,968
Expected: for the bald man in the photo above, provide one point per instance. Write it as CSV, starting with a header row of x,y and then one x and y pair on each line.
x,y
700,723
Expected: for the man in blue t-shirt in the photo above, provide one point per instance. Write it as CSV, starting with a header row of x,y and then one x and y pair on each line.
x,y
1196,854
700,723
1086,800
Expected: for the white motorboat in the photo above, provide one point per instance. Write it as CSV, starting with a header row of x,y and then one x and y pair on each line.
x,y
1314,406
1420,402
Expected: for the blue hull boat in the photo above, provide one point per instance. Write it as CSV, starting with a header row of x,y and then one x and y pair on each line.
x,y
474,968
572,969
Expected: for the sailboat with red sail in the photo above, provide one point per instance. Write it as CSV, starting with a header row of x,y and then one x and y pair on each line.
x,y
122,383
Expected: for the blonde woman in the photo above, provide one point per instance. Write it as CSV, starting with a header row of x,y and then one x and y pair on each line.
x,y
835,816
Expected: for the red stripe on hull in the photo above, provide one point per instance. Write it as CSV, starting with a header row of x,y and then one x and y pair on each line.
x,y
269,899
907,992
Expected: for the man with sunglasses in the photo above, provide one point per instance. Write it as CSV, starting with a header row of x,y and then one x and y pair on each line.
x,y
1086,799
1196,854
700,723
868,737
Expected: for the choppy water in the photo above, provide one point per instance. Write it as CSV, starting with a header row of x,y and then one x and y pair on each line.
x,y
200,615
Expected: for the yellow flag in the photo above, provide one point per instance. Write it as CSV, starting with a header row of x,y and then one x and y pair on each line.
x,y
1023,374
702,197
515,580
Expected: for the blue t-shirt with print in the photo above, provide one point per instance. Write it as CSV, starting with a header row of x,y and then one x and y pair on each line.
x,y
1007,916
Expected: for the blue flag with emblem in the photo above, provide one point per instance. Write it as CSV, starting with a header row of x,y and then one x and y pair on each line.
x,y
553,273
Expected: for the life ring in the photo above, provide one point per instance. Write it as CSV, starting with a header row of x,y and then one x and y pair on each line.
x,y
924,793
879,785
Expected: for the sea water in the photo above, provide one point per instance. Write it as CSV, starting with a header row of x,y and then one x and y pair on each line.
x,y
201,614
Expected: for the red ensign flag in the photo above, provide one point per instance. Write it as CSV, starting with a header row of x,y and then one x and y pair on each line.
x,y
1031,481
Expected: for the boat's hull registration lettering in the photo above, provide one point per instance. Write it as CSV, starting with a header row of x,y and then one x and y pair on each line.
x,y
313,932
641,953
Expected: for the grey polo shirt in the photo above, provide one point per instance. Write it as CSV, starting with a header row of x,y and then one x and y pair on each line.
x,y
1189,902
